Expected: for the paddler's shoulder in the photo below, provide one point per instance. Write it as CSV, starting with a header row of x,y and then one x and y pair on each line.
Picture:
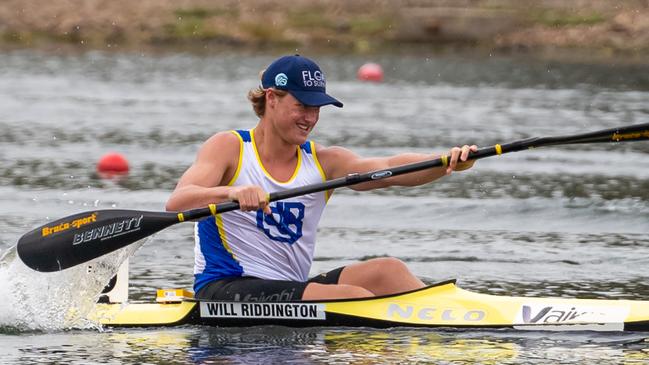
x,y
334,158
331,151
222,143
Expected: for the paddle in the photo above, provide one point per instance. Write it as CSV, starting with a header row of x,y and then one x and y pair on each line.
x,y
82,237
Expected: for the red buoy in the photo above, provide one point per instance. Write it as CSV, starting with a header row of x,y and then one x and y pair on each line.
x,y
370,72
112,164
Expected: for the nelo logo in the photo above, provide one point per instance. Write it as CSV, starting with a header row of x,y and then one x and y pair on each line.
x,y
434,314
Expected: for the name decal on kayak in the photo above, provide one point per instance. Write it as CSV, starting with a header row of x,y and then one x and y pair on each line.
x,y
77,223
262,310
568,314
410,312
108,231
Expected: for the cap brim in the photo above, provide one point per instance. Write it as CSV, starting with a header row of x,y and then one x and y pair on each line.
x,y
315,98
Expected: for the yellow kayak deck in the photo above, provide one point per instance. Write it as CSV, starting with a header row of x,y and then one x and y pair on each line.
x,y
439,305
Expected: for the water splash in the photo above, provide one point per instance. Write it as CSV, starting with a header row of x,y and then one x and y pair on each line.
x,y
54,301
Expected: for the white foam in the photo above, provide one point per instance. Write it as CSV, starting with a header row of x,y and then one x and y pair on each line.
x,y
54,301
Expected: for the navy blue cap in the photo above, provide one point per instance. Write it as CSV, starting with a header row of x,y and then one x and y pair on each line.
x,y
302,78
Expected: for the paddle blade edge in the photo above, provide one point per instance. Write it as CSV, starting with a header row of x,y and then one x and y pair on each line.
x,y
82,237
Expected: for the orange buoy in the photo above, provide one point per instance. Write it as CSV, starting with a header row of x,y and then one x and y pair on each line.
x,y
370,72
112,164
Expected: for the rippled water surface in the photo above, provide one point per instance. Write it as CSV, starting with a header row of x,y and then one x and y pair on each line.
x,y
564,221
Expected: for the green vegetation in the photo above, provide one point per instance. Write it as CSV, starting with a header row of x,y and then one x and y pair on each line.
x,y
190,24
262,33
198,13
30,38
194,24
309,19
186,29
359,26
560,18
16,37
202,13
370,26
317,19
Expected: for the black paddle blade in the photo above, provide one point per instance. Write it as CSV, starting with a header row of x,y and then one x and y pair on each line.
x,y
85,236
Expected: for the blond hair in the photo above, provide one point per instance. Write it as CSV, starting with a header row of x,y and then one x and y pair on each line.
x,y
257,97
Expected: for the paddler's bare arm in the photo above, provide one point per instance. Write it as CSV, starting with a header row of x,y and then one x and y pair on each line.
x,y
205,182
339,161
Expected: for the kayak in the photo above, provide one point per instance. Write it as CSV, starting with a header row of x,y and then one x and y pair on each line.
x,y
441,305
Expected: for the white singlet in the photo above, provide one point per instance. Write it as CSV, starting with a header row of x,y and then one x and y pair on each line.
x,y
278,246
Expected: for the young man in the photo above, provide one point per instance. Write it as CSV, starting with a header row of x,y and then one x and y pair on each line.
x,y
264,251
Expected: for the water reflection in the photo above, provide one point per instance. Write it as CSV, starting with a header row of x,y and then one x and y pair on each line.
x,y
200,345
411,347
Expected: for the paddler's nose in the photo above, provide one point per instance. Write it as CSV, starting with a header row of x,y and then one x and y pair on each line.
x,y
312,114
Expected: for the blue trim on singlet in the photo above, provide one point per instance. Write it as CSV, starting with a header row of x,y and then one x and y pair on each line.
x,y
245,135
306,147
219,263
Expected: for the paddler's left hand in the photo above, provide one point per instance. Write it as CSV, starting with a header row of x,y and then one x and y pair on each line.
x,y
459,156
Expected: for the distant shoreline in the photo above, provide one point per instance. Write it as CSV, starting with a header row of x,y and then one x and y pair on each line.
x,y
546,27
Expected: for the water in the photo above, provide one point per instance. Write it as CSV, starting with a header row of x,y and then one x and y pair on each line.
x,y
564,221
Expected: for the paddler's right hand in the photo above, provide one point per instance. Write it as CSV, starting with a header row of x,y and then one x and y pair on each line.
x,y
250,198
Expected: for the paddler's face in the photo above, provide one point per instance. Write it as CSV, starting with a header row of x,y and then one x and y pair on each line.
x,y
295,119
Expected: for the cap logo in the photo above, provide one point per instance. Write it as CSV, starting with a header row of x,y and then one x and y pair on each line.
x,y
281,79
313,79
